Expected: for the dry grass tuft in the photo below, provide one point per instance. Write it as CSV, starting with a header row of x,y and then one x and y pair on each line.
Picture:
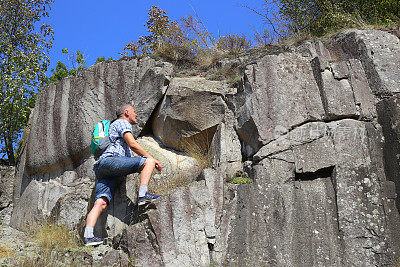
x,y
198,147
5,251
176,180
52,236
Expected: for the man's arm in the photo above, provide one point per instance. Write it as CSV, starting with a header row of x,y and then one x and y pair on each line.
x,y
138,149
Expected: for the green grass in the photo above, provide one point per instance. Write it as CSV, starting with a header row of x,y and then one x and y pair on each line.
x,y
240,178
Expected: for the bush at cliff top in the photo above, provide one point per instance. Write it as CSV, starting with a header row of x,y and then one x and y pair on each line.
x,y
318,17
188,40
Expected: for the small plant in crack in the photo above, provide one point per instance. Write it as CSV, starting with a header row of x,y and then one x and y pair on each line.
x,y
240,177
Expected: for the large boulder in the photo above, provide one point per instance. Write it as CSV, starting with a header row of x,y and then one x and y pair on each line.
x,y
177,231
190,112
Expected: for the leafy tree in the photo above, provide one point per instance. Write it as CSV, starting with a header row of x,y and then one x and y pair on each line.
x,y
78,64
318,17
23,62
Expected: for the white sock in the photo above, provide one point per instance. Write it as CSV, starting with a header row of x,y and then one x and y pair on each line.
x,y
88,232
142,190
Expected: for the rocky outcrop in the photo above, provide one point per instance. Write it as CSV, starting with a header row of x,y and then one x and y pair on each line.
x,y
311,129
55,174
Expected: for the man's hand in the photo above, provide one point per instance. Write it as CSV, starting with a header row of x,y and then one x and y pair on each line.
x,y
158,165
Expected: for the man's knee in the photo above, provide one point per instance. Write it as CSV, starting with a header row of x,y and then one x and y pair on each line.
x,y
101,202
149,162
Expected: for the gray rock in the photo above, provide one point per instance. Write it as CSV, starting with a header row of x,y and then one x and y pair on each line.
x,y
363,96
323,193
340,70
63,196
191,110
225,150
139,241
115,257
279,94
378,52
337,95
7,174
182,224
389,116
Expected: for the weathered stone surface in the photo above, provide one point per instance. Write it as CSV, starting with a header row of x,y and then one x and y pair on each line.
x,y
393,216
378,52
319,195
316,200
116,258
7,174
279,94
225,150
189,108
66,111
389,117
62,196
139,241
337,95
183,221
297,219
364,98
312,49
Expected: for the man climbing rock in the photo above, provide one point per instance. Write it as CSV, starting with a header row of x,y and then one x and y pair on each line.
x,y
115,163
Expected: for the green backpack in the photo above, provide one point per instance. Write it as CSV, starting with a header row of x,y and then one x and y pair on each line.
x,y
100,138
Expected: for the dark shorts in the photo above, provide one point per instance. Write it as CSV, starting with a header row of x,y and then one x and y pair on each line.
x,y
111,170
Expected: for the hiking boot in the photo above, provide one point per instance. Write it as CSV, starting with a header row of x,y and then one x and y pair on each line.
x,y
147,199
92,241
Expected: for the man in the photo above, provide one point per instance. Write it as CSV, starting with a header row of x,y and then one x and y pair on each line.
x,y
115,163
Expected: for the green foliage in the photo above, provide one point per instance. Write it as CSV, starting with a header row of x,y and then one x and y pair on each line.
x,y
77,61
102,59
240,178
23,63
297,18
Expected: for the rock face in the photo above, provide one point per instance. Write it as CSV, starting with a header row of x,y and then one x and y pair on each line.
x,y
317,200
6,185
55,175
311,129
379,53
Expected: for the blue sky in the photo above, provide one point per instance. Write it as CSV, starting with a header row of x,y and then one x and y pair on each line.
x,y
103,28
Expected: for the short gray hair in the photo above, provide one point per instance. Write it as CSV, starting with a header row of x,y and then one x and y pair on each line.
x,y
121,109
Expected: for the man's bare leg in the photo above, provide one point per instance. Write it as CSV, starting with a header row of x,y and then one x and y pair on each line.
x,y
145,175
99,206
147,170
